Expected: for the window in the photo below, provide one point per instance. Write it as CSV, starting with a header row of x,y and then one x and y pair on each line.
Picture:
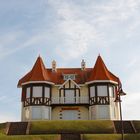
x,y
37,91
46,113
102,90
69,96
36,112
70,115
47,92
69,76
111,91
92,91
103,112
28,90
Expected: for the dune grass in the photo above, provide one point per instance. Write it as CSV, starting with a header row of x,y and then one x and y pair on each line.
x,y
110,137
83,126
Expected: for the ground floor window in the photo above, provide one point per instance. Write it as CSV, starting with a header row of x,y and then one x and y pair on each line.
x,y
40,112
69,114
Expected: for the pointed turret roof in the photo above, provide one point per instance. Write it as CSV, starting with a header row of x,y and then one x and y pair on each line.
x,y
100,72
38,73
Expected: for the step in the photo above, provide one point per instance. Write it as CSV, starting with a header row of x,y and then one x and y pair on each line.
x,y
70,137
127,127
17,128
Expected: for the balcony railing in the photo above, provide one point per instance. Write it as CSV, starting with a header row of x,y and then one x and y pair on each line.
x,y
99,100
55,100
37,101
74,100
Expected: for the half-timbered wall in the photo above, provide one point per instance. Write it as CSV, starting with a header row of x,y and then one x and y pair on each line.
x,y
70,93
36,94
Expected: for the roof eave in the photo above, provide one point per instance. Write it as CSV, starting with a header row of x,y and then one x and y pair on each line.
x,y
33,82
101,81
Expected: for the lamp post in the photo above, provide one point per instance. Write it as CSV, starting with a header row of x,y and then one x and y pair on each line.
x,y
118,99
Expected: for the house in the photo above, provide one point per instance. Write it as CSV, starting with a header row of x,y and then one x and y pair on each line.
x,y
69,93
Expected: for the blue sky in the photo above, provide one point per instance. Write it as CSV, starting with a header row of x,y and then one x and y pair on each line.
x,y
68,31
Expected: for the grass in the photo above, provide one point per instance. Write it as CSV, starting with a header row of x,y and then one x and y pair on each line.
x,y
110,137
137,125
30,137
83,126
2,127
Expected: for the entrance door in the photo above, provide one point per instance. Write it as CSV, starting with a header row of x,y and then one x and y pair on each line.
x,y
69,96
70,115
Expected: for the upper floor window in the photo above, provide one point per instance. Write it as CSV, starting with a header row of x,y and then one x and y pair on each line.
x,y
111,91
28,91
37,91
47,92
69,76
102,91
92,91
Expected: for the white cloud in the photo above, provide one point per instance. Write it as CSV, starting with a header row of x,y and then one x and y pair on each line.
x,y
29,42
77,33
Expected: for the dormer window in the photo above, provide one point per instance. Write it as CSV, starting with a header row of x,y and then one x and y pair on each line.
x,y
69,76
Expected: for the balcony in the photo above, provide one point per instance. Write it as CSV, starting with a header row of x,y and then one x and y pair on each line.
x,y
74,100
99,100
37,101
55,100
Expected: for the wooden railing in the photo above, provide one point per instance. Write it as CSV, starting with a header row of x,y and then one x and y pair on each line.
x,y
74,100
99,100
37,101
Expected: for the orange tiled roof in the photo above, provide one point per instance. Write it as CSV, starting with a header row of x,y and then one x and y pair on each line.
x,y
40,73
100,72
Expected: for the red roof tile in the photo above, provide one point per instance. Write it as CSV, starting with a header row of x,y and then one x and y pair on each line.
x,y
100,72
40,73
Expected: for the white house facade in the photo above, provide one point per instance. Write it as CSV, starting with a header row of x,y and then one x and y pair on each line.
x,y
69,93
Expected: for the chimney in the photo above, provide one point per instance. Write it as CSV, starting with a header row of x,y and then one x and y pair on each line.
x,y
83,65
53,66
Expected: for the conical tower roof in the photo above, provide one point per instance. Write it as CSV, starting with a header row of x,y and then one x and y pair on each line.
x,y
100,72
38,73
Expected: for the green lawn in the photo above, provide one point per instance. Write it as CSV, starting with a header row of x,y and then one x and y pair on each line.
x,y
110,137
30,137
84,136
2,127
83,126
